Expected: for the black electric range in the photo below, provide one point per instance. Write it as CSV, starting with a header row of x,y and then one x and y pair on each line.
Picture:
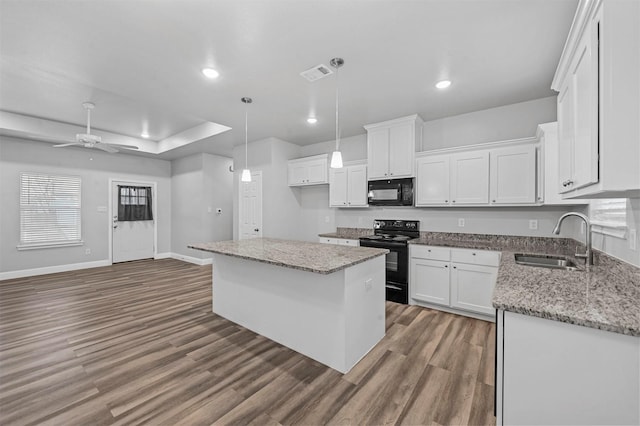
x,y
394,236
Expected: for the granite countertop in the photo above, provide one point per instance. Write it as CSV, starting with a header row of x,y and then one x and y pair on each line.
x,y
348,233
605,296
305,256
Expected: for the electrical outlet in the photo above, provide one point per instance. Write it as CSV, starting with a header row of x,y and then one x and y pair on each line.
x,y
633,238
533,224
208,209
460,223
87,251
368,284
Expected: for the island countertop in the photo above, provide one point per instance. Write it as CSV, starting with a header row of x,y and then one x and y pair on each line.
x,y
302,255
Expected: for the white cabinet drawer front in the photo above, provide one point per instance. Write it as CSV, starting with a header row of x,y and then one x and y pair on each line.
x,y
430,252
325,240
354,243
475,257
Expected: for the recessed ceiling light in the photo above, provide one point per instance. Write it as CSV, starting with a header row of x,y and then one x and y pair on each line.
x,y
312,120
144,135
210,73
443,84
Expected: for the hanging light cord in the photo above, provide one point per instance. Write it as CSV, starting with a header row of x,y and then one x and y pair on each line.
x,y
337,114
246,135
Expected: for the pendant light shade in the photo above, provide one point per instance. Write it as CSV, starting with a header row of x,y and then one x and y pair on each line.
x,y
336,157
336,160
246,173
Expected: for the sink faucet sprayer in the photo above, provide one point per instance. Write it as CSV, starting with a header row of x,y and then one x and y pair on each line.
x,y
588,256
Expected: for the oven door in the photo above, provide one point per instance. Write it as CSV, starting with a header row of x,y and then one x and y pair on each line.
x,y
396,262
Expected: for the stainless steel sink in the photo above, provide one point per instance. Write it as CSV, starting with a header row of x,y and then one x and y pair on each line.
x,y
546,261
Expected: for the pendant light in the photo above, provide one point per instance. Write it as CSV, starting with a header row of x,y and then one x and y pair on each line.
x,y
246,173
336,157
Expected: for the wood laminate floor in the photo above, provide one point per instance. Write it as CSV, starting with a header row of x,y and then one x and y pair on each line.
x,y
137,343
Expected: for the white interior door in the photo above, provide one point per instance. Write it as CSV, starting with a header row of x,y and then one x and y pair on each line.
x,y
131,240
251,207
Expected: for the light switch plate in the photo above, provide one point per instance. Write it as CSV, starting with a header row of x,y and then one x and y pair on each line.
x,y
460,223
533,224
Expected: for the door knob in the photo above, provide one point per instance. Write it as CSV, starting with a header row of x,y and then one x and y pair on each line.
x,y
256,230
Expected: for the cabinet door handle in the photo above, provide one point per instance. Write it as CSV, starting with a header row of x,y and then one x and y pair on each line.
x,y
493,201
455,267
446,201
453,201
473,254
446,266
256,230
391,174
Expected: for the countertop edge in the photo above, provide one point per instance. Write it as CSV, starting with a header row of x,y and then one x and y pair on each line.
x,y
290,266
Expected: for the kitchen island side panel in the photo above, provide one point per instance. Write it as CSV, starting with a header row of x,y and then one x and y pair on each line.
x,y
305,311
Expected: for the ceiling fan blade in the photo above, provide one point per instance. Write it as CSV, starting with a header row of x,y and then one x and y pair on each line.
x,y
118,145
68,144
105,147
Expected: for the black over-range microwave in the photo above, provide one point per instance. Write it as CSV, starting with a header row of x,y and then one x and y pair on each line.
x,y
391,192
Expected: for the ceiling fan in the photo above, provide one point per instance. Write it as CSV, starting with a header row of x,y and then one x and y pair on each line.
x,y
88,140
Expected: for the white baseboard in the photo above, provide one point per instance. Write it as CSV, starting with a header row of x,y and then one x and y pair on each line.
x,y
166,255
191,259
52,269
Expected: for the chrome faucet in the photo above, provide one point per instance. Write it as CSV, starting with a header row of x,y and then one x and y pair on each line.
x,y
588,256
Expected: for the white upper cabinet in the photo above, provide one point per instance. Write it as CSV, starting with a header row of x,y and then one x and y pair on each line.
x,y
498,173
470,178
548,190
513,175
598,102
348,186
308,170
432,184
391,147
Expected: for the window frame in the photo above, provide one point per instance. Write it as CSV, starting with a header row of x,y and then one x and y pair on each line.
x,y
608,225
26,206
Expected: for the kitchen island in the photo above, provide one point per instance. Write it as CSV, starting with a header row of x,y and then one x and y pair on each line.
x,y
326,302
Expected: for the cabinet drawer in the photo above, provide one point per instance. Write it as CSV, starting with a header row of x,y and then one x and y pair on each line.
x,y
476,257
344,242
430,252
326,240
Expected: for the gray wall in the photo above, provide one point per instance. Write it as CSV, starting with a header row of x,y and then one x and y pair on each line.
x,y
18,155
200,184
281,214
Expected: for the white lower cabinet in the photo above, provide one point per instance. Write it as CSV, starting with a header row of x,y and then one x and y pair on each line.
x,y
556,373
460,279
431,281
472,287
339,241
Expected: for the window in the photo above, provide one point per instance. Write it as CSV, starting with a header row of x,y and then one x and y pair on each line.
x,y
134,203
49,210
609,216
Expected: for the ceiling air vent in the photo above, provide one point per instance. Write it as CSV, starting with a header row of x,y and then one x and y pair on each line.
x,y
316,73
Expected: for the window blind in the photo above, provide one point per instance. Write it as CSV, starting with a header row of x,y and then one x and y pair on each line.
x,y
609,216
50,208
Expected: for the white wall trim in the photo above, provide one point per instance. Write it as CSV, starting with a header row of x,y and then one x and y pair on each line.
x,y
191,259
167,255
53,269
